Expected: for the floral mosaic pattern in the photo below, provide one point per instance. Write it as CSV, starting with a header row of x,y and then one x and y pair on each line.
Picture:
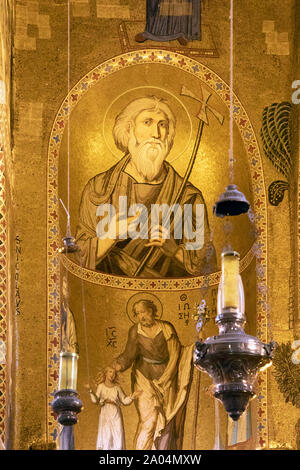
x,y
3,298
174,284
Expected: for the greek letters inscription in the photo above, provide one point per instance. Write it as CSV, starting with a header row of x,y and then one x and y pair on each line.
x,y
111,337
184,309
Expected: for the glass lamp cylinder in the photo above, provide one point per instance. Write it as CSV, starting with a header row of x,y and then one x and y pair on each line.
x,y
68,371
231,291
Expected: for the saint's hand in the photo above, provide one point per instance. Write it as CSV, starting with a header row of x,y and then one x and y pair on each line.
x,y
136,394
116,230
160,237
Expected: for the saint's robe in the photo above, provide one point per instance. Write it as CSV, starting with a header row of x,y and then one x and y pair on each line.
x,y
125,255
162,368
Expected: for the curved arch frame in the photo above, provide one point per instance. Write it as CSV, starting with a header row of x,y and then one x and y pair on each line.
x,y
217,85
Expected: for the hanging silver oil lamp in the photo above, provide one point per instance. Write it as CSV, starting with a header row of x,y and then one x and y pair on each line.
x,y
233,358
231,202
68,243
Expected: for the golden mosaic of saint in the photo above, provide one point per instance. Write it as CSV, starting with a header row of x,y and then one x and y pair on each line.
x,y
144,130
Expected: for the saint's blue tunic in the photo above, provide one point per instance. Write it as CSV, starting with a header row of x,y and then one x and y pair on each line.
x,y
167,20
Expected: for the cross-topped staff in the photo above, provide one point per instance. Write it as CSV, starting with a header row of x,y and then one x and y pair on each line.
x,y
203,119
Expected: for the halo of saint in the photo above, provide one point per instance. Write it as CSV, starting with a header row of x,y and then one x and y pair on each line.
x,y
140,297
180,145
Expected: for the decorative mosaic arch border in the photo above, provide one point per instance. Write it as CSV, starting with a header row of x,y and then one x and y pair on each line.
x,y
5,207
125,283
3,297
217,85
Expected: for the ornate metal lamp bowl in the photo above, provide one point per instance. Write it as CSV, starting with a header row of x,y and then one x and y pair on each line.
x,y
66,405
68,242
69,245
233,358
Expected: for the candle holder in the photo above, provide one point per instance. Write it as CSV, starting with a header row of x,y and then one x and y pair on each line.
x,y
233,358
69,243
66,403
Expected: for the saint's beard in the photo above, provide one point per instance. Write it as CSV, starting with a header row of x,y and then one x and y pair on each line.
x,y
148,156
147,323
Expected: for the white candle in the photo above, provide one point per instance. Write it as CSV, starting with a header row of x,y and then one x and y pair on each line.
x,y
230,279
68,371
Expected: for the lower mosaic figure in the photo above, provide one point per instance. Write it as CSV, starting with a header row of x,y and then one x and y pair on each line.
x,y
162,368
110,396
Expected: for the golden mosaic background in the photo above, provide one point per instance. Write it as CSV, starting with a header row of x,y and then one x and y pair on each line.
x,y
266,51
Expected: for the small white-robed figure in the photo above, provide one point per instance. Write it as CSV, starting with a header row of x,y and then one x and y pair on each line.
x,y
110,396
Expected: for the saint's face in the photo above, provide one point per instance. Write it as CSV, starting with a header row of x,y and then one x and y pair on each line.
x,y
151,125
145,315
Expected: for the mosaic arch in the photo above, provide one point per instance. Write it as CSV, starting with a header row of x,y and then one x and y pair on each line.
x,y
4,378
218,86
